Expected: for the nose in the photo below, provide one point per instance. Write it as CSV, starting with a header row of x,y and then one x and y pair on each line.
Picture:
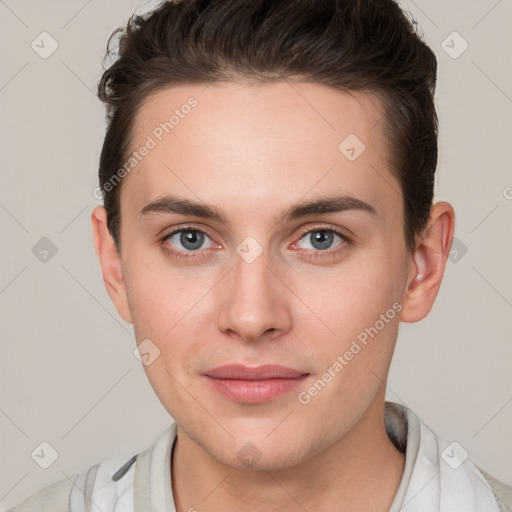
x,y
254,302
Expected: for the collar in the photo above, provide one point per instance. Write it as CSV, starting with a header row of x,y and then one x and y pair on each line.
x,y
438,476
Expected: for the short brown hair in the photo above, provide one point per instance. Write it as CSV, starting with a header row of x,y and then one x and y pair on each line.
x,y
352,45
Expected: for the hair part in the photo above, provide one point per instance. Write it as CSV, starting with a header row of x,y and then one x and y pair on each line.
x,y
351,45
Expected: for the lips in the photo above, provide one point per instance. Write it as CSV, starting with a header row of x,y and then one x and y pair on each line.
x,y
241,372
253,385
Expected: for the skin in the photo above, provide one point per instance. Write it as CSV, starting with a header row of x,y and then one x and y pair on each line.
x,y
252,152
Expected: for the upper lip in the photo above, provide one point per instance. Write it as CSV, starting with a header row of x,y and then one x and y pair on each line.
x,y
241,372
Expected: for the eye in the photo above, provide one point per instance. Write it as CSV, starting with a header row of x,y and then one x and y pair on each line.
x,y
190,240
322,239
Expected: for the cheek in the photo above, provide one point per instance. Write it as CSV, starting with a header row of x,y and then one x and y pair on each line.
x,y
350,298
166,310
170,307
159,295
360,303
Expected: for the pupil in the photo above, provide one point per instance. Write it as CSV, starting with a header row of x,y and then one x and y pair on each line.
x,y
192,238
323,238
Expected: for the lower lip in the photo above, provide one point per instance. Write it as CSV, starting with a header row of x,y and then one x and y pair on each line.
x,y
254,391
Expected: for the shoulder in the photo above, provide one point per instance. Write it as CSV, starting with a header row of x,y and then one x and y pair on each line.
x,y
108,485
53,498
501,491
105,485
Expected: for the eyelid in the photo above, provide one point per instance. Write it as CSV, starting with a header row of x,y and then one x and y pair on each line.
x,y
326,227
347,240
181,254
187,227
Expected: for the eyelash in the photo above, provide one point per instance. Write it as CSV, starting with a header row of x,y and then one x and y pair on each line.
x,y
346,242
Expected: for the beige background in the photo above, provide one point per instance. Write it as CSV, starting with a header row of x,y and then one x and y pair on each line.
x,y
68,375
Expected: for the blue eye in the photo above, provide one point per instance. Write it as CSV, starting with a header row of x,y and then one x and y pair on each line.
x,y
193,242
190,239
322,239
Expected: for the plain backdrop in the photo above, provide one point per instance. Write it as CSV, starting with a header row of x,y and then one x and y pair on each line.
x,y
68,375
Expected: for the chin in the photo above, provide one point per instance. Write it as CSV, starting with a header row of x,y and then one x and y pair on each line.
x,y
252,457
259,451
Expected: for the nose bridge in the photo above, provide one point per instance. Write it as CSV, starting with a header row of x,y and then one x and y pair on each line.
x,y
253,301
252,270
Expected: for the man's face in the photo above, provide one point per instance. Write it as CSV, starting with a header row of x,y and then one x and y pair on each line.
x,y
257,288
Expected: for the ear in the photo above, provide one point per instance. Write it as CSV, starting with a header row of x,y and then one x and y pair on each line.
x,y
110,262
428,262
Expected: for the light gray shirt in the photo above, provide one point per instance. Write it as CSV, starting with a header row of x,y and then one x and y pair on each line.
x,y
438,477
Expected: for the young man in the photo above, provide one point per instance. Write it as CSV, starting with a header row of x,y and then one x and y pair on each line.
x,y
267,177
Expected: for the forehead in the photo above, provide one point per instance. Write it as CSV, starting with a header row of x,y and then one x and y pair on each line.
x,y
282,111
259,144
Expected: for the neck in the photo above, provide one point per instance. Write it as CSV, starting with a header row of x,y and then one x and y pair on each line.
x,y
363,468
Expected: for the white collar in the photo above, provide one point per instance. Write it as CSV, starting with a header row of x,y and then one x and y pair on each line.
x,y
437,475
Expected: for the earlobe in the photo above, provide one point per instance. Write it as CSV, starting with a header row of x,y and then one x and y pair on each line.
x,y
110,262
428,262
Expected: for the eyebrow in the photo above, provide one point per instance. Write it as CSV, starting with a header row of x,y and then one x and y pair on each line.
x,y
330,204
